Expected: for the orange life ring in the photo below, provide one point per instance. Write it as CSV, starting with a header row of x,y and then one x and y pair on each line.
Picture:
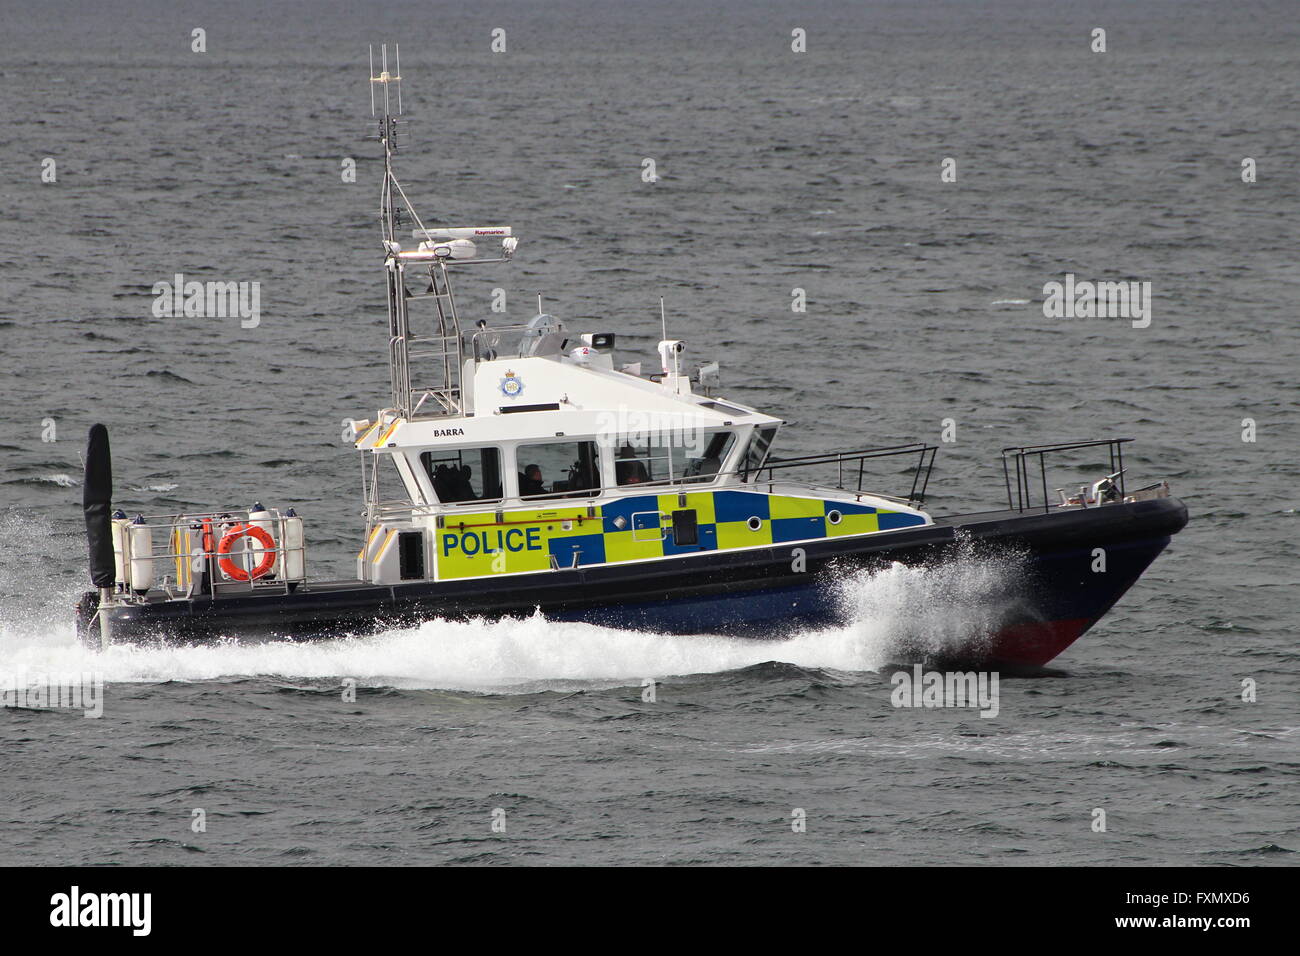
x,y
233,570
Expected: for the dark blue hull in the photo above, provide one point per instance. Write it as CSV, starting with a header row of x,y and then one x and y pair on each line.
x,y
1040,586
1050,606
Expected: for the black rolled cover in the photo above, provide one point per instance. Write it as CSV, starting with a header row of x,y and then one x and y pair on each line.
x,y
96,502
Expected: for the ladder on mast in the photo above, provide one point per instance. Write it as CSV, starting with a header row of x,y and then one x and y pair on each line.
x,y
440,353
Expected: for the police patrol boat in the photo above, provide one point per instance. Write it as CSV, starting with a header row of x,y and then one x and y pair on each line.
x,y
523,468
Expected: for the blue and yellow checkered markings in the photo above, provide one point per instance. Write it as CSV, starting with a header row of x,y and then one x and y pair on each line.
x,y
701,504
797,519
639,536
854,519
785,518
705,522
646,530
732,511
477,545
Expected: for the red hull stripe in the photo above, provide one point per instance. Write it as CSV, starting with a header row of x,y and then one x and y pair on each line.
x,y
1037,643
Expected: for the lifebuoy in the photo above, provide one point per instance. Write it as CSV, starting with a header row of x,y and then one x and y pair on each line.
x,y
233,570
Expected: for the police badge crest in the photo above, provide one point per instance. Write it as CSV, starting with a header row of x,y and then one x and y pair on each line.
x,y
511,385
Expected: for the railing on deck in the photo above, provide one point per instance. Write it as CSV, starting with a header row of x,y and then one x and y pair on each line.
x,y
179,557
1020,485
920,477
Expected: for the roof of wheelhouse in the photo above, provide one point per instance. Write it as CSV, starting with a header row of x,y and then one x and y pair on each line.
x,y
549,397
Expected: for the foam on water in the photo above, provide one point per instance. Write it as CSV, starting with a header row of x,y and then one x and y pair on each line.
x,y
59,479
158,488
894,613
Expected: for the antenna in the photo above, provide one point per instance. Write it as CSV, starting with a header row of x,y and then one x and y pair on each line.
x,y
385,77
442,351
663,317
539,303
390,212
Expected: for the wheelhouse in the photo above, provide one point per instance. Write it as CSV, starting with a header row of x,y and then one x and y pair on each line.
x,y
579,454
559,461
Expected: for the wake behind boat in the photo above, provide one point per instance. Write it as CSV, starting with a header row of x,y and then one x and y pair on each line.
x,y
523,468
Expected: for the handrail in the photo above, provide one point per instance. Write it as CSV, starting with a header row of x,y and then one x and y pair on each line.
x,y
219,522
920,479
1021,499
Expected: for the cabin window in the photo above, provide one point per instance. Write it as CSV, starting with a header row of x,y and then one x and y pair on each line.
x,y
756,453
562,469
684,457
386,486
464,474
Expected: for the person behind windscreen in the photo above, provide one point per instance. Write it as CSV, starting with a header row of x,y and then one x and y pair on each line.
x,y
531,481
627,469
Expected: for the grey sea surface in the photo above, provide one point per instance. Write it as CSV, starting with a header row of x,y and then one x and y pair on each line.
x,y
778,170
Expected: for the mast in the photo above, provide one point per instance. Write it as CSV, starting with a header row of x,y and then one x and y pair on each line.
x,y
441,350
389,217
387,130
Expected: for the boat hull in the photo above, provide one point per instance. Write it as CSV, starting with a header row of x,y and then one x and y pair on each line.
x,y
1043,592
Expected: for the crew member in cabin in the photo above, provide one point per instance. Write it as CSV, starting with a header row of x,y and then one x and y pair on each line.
x,y
530,482
452,483
627,469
